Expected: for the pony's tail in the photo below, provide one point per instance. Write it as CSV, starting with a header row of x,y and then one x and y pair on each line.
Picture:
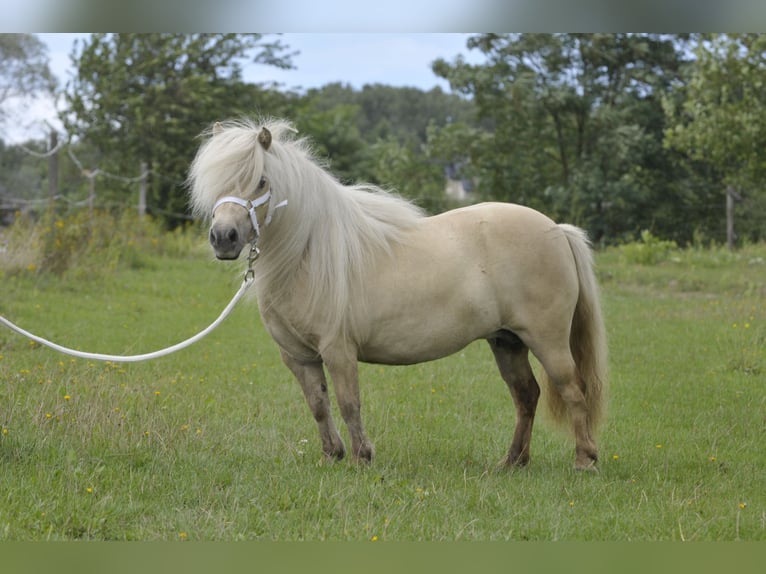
x,y
587,339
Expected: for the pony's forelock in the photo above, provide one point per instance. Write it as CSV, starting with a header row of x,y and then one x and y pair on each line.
x,y
229,161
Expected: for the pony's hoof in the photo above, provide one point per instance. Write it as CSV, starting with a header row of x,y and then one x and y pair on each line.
x,y
513,463
586,463
364,454
334,454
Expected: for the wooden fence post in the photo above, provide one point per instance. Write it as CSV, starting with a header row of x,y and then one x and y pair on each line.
x,y
731,197
142,191
53,170
91,175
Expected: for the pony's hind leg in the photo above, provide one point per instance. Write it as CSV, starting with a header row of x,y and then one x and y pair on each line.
x,y
314,385
512,358
565,381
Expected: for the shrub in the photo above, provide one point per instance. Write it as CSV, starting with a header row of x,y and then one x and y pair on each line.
x,y
20,246
88,243
649,251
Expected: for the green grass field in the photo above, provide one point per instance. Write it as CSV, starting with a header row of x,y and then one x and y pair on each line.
x,y
216,443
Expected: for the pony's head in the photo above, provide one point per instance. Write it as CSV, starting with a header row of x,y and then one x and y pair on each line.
x,y
228,186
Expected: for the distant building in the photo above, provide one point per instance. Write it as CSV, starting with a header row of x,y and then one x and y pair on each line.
x,y
458,188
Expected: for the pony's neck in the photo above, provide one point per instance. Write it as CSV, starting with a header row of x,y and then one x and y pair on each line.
x,y
326,239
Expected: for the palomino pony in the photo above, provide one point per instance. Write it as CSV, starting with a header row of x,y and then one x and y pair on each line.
x,y
354,273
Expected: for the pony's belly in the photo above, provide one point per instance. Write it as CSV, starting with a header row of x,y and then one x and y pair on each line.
x,y
431,309
393,355
408,343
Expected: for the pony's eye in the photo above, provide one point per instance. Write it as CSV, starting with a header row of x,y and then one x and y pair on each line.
x,y
262,183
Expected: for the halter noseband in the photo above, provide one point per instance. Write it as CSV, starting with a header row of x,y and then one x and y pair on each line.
x,y
251,206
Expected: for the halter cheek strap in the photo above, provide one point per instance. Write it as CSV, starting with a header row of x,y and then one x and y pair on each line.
x,y
251,206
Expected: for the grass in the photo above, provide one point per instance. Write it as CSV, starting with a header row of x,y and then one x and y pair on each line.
x,y
216,443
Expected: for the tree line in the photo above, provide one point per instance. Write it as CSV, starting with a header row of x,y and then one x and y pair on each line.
x,y
617,133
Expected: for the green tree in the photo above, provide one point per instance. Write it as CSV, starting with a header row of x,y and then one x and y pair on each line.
x,y
380,133
406,169
574,120
387,111
334,133
717,119
145,98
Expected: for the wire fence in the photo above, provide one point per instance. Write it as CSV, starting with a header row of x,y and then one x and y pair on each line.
x,y
35,200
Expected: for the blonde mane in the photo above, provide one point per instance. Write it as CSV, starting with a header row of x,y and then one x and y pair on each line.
x,y
328,236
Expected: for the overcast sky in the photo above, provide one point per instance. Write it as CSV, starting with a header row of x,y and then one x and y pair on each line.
x,y
396,59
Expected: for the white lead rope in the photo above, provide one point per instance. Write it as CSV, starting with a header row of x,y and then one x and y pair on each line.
x,y
250,206
248,280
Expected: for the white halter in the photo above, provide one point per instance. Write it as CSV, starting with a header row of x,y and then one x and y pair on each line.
x,y
251,206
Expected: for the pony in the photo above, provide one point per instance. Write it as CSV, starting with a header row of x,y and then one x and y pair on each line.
x,y
350,273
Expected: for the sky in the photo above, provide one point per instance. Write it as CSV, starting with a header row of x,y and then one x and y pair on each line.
x,y
395,59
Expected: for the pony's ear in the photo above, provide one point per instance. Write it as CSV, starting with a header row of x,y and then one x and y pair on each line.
x,y
264,138
217,128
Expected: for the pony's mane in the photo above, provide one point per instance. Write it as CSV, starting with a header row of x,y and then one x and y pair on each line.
x,y
329,235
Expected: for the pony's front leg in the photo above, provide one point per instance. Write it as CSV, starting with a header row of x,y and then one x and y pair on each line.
x,y
345,378
312,380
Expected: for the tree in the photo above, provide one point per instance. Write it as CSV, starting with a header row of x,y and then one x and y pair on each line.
x,y
403,113
145,97
380,134
25,66
334,133
717,119
574,121
24,71
407,170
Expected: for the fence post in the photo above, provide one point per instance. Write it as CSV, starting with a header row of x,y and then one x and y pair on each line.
x,y
91,175
731,196
53,170
142,191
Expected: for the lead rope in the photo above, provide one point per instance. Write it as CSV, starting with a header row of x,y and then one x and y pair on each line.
x,y
247,281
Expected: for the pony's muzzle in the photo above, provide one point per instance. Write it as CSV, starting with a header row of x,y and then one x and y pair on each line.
x,y
226,242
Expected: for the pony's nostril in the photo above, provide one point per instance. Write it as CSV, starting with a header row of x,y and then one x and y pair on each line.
x,y
221,238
